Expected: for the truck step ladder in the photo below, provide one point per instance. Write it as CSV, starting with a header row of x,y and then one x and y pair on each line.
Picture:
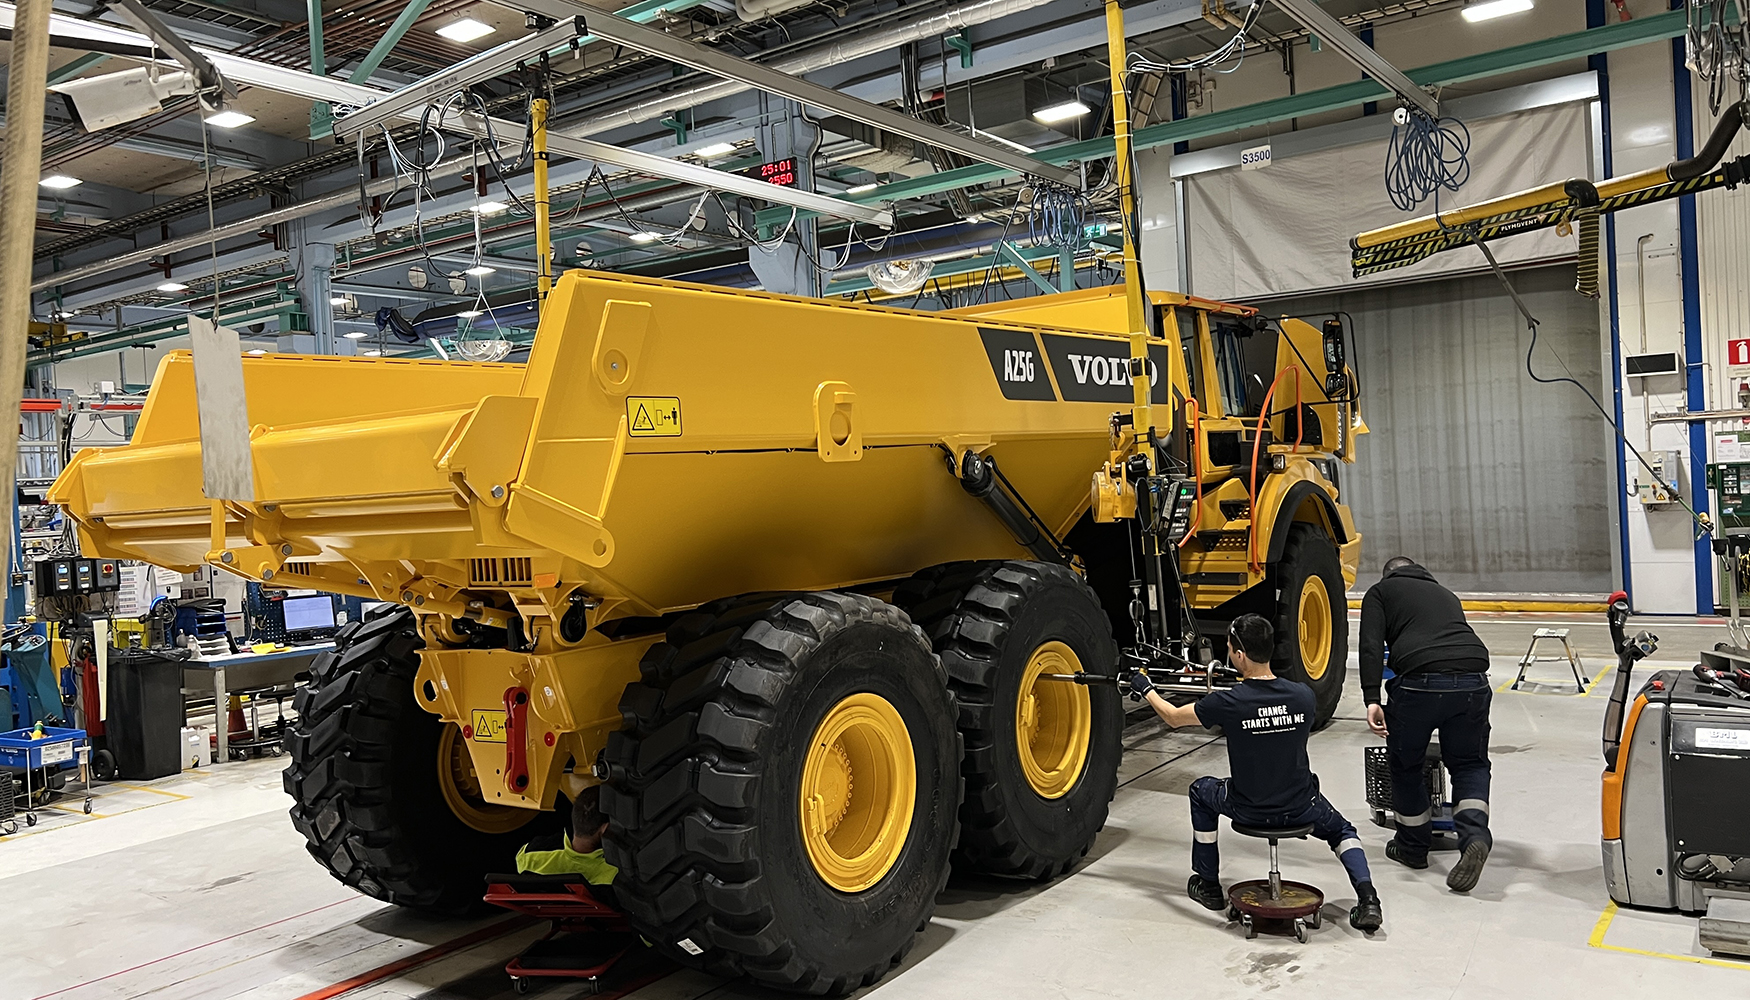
x,y
1531,657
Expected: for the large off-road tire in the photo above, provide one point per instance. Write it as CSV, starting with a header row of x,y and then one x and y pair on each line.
x,y
1041,760
1312,618
783,799
374,777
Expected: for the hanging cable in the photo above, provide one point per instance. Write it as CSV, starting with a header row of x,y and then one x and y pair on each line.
x,y
1057,215
1233,49
1424,156
1717,48
1703,525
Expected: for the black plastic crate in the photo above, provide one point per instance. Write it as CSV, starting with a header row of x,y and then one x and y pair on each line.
x,y
1378,774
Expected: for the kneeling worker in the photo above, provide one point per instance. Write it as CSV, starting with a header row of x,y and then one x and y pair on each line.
x,y
1440,682
1267,721
578,854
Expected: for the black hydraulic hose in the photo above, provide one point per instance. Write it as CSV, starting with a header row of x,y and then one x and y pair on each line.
x,y
1720,140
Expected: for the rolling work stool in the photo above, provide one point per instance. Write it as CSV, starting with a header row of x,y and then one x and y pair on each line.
x,y
1272,898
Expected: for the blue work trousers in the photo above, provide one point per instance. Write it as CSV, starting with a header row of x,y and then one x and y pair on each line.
x,y
1458,706
1209,800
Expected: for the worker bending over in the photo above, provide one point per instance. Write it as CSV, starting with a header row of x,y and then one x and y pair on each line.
x,y
1440,680
578,854
1267,721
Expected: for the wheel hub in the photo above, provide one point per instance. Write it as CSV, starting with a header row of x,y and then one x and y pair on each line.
x,y
859,791
1315,627
1053,722
462,793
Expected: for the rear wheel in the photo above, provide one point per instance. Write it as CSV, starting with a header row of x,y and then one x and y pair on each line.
x,y
1042,755
782,802
384,791
1312,618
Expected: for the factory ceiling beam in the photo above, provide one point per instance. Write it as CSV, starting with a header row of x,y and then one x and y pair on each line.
x,y
1560,48
1332,32
298,83
731,67
385,45
409,102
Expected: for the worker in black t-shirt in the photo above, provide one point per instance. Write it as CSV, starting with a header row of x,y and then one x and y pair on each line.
x,y
1266,720
1440,681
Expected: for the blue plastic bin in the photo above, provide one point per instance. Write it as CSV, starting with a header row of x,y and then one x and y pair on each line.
x,y
18,751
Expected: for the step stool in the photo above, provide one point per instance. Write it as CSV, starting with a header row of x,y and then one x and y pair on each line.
x,y
1531,657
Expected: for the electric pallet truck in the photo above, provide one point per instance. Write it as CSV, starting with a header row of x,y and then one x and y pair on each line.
x,y
1676,825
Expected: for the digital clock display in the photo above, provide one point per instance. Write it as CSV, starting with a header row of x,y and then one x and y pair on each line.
x,y
779,172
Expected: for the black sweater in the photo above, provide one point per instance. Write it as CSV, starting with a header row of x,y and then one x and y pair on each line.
x,y
1423,625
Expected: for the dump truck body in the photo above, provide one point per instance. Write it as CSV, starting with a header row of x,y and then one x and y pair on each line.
x,y
573,534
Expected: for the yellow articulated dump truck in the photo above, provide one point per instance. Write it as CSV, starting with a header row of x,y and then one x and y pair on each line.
x,y
826,595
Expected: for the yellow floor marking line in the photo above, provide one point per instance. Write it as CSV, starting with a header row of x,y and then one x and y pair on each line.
x,y
144,788
1603,925
76,812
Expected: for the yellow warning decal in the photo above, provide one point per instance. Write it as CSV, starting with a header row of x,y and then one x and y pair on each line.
x,y
654,416
488,725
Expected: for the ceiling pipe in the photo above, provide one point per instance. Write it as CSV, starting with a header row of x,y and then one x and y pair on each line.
x,y
440,246
242,227
935,26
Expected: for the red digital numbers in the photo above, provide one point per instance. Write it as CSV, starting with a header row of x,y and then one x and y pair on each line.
x,y
779,172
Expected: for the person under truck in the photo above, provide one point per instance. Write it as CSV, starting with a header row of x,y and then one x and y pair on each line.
x,y
579,853
1266,720
1440,680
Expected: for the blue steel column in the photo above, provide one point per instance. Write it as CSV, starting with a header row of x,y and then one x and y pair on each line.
x,y
1600,63
1690,254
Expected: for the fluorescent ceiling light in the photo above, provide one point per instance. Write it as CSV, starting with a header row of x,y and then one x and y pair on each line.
x,y
643,237
1064,112
859,189
489,207
337,300
465,30
355,335
229,119
1495,8
173,286
480,270
60,182
715,150
258,351
470,313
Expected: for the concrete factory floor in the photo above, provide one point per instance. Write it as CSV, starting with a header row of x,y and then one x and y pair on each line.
x,y
197,887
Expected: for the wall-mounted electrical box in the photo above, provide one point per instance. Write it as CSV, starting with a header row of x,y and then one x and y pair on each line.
x,y
1730,482
1668,467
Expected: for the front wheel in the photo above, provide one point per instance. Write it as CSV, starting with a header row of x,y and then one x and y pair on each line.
x,y
1312,618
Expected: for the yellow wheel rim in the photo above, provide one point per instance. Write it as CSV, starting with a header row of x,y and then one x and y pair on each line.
x,y
461,789
1315,628
859,789
1054,722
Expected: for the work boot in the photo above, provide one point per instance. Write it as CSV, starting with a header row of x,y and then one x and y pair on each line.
x,y
1396,852
1366,915
1464,875
1206,891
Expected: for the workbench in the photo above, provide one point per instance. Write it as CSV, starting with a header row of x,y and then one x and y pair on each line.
x,y
244,672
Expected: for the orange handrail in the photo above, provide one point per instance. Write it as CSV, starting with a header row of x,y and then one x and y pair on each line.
x,y
1257,444
1196,415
